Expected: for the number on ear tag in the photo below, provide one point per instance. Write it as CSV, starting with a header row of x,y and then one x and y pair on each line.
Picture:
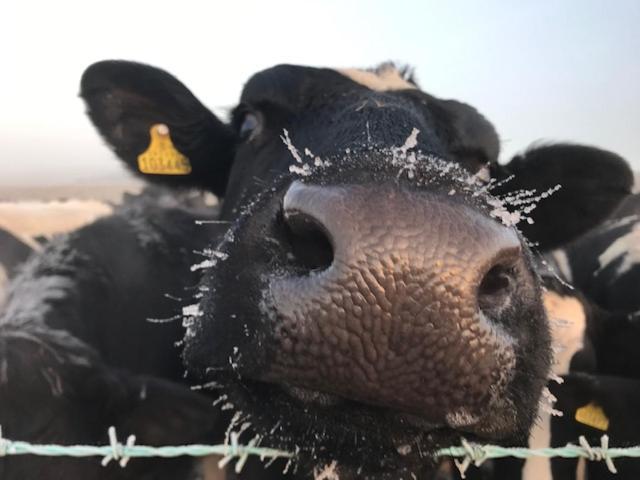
x,y
162,157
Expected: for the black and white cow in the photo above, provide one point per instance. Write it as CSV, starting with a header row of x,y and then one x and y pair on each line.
x,y
597,329
595,389
85,342
370,299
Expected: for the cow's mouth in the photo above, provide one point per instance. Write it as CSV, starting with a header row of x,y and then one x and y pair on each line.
x,y
320,429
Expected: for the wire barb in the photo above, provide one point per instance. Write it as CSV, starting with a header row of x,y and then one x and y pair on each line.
x,y
474,454
598,454
118,451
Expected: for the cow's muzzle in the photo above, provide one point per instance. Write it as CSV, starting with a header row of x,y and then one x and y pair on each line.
x,y
398,301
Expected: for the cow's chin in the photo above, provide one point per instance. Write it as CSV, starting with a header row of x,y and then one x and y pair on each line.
x,y
360,440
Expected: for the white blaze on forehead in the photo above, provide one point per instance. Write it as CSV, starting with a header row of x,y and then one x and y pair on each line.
x,y
384,79
626,247
568,321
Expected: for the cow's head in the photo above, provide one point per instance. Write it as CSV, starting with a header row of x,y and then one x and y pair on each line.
x,y
371,299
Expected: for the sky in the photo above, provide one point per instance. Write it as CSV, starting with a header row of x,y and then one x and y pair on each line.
x,y
539,70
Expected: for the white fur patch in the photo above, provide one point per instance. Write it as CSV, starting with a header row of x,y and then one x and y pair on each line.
x,y
384,79
568,324
636,183
562,262
626,247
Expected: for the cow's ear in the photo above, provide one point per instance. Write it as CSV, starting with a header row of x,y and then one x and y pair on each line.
x,y
157,126
474,140
470,138
593,182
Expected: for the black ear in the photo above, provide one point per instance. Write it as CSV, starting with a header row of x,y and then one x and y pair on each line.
x,y
126,99
593,182
474,139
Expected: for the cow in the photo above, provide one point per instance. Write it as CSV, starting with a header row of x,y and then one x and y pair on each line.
x,y
596,325
369,298
87,341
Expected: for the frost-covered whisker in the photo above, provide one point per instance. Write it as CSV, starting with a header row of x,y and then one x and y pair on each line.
x,y
164,320
206,386
525,199
206,222
304,169
172,297
554,273
202,265
290,146
401,158
493,183
410,142
220,399
192,310
547,402
213,257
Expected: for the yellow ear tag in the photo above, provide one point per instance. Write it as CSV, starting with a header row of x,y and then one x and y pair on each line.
x,y
592,415
161,157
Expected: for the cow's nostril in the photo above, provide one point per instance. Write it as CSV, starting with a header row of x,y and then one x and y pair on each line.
x,y
496,287
310,243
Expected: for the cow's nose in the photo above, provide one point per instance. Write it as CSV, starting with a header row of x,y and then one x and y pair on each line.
x,y
398,299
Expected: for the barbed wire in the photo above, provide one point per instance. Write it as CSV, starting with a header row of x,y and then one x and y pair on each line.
x,y
464,456
122,453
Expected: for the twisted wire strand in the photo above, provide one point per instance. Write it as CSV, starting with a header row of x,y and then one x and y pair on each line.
x,y
465,455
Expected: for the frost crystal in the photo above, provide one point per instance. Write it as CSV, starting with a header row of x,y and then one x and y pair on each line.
x,y
214,256
303,171
328,472
547,401
203,264
525,200
287,141
192,310
401,157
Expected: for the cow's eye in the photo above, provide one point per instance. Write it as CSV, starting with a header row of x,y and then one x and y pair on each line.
x,y
250,126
